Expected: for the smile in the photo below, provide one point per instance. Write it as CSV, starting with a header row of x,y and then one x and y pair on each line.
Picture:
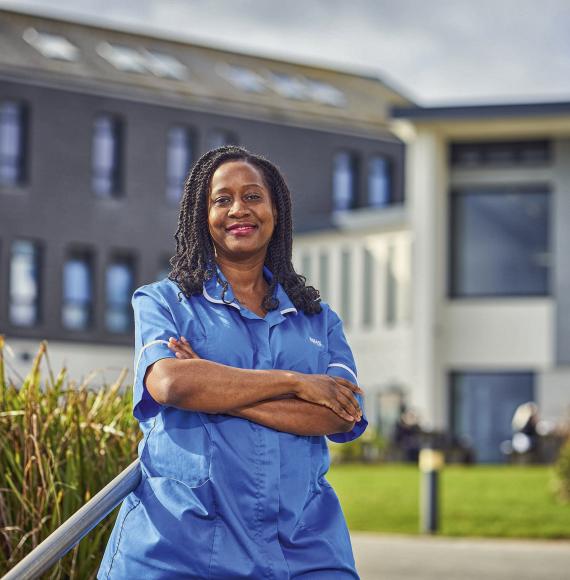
x,y
241,230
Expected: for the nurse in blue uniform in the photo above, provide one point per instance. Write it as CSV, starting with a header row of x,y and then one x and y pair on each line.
x,y
241,373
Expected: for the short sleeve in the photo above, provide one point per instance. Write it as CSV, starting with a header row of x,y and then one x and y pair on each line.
x,y
342,365
154,325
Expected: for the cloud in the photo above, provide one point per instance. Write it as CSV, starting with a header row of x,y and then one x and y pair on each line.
x,y
440,50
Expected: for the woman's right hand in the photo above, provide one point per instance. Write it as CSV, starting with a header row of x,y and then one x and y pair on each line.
x,y
335,393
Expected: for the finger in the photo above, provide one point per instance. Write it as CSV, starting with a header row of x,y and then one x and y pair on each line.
x,y
350,404
340,412
188,347
354,388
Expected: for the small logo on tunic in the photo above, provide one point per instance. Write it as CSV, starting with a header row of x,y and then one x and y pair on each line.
x,y
315,341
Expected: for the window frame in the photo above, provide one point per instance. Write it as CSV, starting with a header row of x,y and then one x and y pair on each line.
x,y
455,193
118,172
23,161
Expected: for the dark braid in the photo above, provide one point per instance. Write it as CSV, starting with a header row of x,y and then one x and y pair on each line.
x,y
194,247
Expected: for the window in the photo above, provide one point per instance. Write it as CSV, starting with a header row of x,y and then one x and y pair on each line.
x,y
219,138
12,143
500,153
324,93
106,156
77,307
119,288
379,182
242,78
129,59
178,161
24,283
368,289
165,65
51,45
344,181
482,408
123,58
288,86
500,242
346,286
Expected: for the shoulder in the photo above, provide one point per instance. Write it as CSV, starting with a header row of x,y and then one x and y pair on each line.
x,y
163,291
329,314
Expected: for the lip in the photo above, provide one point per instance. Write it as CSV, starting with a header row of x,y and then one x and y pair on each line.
x,y
241,228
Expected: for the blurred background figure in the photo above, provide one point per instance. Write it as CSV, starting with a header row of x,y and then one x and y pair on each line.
x,y
525,434
407,435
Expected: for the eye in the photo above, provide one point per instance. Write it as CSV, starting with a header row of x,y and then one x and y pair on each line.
x,y
221,200
253,196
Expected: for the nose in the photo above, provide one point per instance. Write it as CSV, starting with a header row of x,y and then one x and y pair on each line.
x,y
238,208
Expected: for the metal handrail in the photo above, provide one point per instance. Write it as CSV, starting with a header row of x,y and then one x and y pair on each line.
x,y
57,544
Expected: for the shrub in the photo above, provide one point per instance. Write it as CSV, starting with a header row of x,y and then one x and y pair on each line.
x,y
370,446
59,445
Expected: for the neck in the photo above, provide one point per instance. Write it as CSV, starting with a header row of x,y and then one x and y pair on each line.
x,y
244,276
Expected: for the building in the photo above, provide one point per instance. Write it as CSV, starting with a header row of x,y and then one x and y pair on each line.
x,y
438,234
488,205
98,128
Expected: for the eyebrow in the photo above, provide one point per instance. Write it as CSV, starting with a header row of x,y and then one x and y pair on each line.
x,y
224,189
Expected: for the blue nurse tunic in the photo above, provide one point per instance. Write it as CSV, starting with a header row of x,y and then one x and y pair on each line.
x,y
220,496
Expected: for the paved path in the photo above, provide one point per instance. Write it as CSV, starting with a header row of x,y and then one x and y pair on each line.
x,y
380,557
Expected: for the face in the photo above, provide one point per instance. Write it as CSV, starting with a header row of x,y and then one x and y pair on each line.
x,y
241,214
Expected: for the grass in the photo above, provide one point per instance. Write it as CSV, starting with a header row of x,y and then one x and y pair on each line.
x,y
482,501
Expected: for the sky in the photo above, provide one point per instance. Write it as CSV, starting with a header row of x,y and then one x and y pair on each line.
x,y
435,51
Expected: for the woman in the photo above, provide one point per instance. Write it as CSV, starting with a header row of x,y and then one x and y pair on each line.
x,y
235,413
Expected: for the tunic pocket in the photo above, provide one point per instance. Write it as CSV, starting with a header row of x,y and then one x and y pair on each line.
x,y
169,533
179,447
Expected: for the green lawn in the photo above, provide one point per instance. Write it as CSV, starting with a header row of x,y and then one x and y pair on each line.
x,y
492,501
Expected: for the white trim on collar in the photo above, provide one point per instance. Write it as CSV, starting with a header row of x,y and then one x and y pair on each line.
x,y
291,309
216,301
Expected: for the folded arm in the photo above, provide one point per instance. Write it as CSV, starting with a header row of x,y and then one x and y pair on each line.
x,y
197,384
293,415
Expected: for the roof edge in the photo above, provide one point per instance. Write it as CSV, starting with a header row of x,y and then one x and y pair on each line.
x,y
452,112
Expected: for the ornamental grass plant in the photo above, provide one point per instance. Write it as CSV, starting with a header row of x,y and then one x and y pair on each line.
x,y
60,443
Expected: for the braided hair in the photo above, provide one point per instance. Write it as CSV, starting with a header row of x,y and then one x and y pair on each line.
x,y
194,261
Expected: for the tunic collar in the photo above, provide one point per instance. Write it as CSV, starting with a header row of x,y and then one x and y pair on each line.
x,y
213,289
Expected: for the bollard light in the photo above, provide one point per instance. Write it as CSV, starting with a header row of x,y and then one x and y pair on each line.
x,y
431,461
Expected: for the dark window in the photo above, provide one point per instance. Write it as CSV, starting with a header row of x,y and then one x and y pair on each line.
x,y
482,409
12,143
379,182
24,283
500,242
178,161
106,156
344,181
119,287
77,307
500,153
219,138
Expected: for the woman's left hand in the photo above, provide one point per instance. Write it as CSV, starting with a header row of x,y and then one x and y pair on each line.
x,y
181,348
